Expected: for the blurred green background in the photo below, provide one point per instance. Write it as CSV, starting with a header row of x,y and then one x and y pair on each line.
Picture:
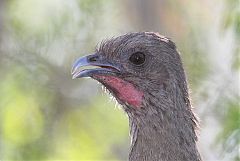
x,y
45,115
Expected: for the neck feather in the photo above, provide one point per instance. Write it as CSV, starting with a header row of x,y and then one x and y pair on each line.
x,y
166,132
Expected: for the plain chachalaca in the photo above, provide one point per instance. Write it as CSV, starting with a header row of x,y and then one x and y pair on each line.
x,y
144,72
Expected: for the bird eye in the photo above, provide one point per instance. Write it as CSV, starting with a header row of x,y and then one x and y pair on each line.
x,y
137,58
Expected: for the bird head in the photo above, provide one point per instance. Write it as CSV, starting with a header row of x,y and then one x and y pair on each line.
x,y
143,71
134,67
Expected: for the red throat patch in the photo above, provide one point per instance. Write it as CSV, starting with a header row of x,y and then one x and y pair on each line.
x,y
125,91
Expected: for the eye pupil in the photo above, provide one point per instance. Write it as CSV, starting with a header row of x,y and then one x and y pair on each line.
x,y
137,58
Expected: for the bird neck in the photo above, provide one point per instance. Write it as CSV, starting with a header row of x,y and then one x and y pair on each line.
x,y
162,141
164,134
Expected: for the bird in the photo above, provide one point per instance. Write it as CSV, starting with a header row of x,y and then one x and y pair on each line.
x,y
144,72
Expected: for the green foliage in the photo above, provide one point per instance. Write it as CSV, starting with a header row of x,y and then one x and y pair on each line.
x,y
78,127
30,131
232,16
20,112
232,20
229,137
38,121
196,70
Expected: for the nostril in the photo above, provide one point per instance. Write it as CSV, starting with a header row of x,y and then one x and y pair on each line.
x,y
93,58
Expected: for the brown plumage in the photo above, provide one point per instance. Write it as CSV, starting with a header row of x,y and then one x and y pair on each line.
x,y
144,72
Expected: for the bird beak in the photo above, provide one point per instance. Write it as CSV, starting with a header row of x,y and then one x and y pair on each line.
x,y
102,67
